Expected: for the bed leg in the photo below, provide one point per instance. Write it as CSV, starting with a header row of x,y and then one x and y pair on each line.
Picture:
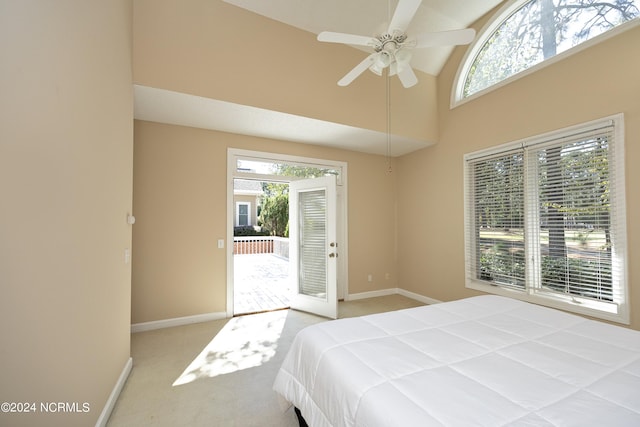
x,y
301,420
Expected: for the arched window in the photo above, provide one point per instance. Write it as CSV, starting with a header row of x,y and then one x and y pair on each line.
x,y
526,33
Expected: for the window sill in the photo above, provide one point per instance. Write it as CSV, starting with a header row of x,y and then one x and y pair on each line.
x,y
605,311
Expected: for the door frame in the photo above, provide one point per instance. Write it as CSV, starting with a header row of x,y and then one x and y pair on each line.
x,y
235,154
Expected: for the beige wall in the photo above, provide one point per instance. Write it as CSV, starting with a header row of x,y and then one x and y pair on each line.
x,y
180,207
66,173
216,50
600,81
66,140
422,214
212,49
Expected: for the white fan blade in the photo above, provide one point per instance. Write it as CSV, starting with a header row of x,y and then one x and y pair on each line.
x,y
405,11
407,77
331,37
358,69
445,38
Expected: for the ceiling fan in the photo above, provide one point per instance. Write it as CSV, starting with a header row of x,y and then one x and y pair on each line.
x,y
393,48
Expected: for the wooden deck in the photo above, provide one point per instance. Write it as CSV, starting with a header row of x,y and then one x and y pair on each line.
x,y
261,283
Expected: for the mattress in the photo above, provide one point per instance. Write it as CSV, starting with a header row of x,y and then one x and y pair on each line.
x,y
481,361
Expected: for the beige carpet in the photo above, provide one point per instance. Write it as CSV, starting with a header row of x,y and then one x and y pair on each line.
x,y
220,373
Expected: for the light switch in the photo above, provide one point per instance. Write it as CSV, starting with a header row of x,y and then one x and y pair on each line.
x,y
127,255
220,243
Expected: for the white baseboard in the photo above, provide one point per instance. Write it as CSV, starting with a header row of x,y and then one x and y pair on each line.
x,y
418,297
178,321
392,291
113,397
372,294
198,318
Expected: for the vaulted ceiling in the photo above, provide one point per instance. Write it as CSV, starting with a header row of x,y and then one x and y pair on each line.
x,y
362,17
370,17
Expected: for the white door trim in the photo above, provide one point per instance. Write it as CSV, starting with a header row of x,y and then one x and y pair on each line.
x,y
233,154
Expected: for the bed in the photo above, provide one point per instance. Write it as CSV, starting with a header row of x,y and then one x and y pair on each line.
x,y
481,361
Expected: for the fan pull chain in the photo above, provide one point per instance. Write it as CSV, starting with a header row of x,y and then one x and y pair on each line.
x,y
388,87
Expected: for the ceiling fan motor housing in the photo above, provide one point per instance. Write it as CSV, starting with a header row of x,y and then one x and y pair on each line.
x,y
390,53
389,42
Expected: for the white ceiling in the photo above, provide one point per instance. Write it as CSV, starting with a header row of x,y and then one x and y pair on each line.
x,y
362,17
370,17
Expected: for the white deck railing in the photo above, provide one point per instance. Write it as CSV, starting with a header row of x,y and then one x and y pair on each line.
x,y
243,245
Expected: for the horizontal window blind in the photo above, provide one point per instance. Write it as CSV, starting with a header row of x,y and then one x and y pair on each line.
x,y
313,243
498,219
574,187
547,217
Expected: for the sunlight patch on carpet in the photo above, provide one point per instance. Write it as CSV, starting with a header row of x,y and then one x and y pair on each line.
x,y
245,342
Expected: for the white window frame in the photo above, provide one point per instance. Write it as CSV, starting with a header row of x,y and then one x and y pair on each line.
x,y
487,31
248,205
619,310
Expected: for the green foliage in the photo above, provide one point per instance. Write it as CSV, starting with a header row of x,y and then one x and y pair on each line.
x,y
539,30
274,214
578,276
499,192
503,262
302,171
250,230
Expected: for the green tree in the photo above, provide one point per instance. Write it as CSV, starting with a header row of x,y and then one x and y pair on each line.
x,y
575,189
301,171
539,30
274,214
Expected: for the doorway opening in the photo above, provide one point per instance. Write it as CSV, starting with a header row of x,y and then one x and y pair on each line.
x,y
258,269
260,246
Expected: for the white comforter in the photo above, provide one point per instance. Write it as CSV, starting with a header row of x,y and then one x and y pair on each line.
x,y
482,361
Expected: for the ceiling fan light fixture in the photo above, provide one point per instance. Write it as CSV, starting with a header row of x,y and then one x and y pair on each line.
x,y
403,57
393,69
384,59
376,69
